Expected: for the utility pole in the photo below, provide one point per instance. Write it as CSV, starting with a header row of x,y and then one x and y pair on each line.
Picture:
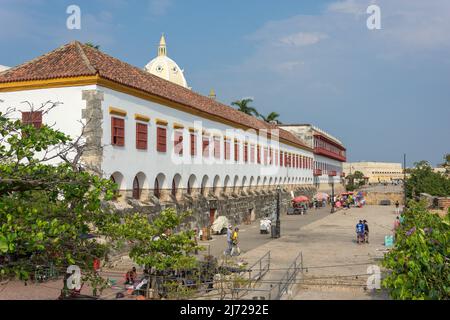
x,y
404,177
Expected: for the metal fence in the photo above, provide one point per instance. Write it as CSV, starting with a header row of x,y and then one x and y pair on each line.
x,y
288,279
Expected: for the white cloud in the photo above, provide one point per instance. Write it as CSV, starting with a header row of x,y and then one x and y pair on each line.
x,y
302,39
159,7
348,6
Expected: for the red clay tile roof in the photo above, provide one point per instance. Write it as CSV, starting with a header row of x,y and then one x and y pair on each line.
x,y
76,59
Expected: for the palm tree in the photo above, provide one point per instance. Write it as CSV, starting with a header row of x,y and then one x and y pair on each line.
x,y
272,117
243,106
95,46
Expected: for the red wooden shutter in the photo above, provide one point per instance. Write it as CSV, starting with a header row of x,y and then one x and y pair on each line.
x,y
117,131
205,146
258,154
236,151
265,156
281,158
193,144
252,153
141,136
33,118
161,139
227,146
178,143
246,152
217,148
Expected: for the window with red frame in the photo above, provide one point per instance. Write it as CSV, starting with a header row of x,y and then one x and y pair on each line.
x,y
270,156
281,158
227,148
178,143
236,150
205,146
265,156
276,157
161,139
252,153
217,147
32,118
258,154
141,136
193,144
246,152
117,131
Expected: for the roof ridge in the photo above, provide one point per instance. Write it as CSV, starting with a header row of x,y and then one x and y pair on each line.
x,y
37,58
84,57
147,74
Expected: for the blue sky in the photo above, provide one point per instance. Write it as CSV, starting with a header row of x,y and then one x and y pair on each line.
x,y
383,92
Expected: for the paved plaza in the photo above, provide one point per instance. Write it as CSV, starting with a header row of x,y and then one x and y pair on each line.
x,y
336,267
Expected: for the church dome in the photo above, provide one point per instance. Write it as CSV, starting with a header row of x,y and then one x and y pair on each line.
x,y
164,67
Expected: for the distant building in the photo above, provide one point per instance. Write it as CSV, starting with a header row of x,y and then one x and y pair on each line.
x,y
376,172
329,155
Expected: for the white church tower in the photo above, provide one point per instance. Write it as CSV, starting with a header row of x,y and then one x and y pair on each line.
x,y
164,67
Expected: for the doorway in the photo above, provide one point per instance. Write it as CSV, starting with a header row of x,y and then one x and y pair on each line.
x,y
212,216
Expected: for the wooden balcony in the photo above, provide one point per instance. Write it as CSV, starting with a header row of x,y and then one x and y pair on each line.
x,y
329,154
332,173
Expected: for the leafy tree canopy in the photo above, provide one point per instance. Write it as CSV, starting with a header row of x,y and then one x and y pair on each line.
x,y
422,179
418,265
46,209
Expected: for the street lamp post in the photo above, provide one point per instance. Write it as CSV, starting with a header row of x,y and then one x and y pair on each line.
x,y
276,230
332,196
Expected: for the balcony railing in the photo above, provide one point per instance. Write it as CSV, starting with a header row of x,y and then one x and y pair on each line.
x,y
332,173
330,154
317,172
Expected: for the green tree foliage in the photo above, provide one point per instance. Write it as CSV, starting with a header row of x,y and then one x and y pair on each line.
x,y
243,106
46,209
273,116
156,243
418,265
446,163
423,179
355,181
92,45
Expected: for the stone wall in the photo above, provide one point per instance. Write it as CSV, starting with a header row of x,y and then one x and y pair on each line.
x,y
237,207
443,203
374,198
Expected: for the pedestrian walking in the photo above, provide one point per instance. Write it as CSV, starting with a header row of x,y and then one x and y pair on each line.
x,y
360,232
366,231
235,242
396,226
397,208
229,240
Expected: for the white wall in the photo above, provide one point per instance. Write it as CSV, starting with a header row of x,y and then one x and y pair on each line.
x,y
129,161
65,117
324,178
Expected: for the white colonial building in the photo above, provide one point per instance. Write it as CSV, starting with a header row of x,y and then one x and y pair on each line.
x,y
163,144
329,156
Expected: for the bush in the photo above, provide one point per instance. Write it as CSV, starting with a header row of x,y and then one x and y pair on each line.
x,y
419,263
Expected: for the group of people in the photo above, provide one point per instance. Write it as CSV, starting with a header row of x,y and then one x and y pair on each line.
x,y
233,241
362,232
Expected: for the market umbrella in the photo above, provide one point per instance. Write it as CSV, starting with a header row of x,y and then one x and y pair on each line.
x,y
321,196
300,199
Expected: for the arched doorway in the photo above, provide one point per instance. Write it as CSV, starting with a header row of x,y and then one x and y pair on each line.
x,y
136,189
